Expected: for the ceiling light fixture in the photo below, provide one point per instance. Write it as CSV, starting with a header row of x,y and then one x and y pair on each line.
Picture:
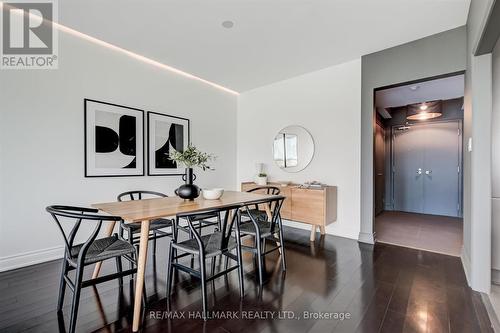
x,y
424,111
228,24
131,54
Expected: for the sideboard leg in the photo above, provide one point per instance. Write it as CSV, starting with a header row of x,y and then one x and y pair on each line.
x,y
322,229
313,233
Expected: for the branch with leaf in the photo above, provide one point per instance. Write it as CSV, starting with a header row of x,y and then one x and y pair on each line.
x,y
192,157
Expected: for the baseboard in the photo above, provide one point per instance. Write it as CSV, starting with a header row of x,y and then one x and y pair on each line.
x,y
495,276
305,226
366,237
465,264
495,323
297,225
30,258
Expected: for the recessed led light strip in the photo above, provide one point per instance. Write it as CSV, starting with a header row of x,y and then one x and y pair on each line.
x,y
140,57
133,55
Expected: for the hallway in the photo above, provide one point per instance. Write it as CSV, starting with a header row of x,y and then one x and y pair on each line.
x,y
434,233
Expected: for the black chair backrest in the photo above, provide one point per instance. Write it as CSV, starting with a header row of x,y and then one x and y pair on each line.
x,y
139,195
272,190
76,215
274,204
232,218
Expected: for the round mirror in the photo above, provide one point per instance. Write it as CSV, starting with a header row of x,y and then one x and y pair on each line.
x,y
293,148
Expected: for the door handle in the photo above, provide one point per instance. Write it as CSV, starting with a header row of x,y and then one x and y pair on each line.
x,y
419,171
428,172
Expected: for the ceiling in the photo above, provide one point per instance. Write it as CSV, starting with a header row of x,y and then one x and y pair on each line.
x,y
271,40
440,89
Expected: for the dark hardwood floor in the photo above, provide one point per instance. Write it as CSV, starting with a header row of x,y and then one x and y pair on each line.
x,y
380,288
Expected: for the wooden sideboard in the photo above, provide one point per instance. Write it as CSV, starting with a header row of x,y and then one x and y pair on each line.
x,y
317,207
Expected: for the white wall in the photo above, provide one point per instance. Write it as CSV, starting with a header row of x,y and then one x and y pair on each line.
x,y
41,138
495,171
327,104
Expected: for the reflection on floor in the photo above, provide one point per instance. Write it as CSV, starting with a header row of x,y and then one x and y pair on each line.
x,y
383,288
434,233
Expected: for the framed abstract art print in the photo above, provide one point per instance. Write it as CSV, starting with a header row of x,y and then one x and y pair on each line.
x,y
165,134
114,140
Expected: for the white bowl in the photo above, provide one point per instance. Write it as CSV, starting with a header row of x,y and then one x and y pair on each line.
x,y
213,193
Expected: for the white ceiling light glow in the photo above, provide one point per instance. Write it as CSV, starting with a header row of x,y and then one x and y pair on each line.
x,y
131,54
141,58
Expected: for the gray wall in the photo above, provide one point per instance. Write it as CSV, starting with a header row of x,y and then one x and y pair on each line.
x,y
476,255
452,110
435,55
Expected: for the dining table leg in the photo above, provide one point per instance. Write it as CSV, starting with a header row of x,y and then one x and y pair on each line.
x,y
141,270
108,233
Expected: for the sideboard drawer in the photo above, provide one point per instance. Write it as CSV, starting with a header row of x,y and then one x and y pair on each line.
x,y
317,207
308,206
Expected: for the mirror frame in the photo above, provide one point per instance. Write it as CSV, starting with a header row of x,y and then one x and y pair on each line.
x,y
295,169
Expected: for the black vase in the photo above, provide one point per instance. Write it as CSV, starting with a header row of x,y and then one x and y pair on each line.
x,y
189,190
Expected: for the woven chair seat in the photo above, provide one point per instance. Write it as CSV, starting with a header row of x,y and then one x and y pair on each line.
x,y
204,216
102,249
135,227
211,244
257,214
248,228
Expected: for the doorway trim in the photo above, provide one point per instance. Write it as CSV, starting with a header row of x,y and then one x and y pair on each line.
x,y
416,81
368,116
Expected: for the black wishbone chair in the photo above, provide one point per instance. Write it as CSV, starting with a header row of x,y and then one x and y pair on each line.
x,y
258,213
219,243
262,229
76,257
155,226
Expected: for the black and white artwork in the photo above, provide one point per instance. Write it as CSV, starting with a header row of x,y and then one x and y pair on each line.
x,y
165,134
114,140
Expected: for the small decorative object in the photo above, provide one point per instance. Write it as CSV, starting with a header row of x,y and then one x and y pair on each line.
x,y
114,140
212,194
189,158
284,183
261,179
165,135
313,185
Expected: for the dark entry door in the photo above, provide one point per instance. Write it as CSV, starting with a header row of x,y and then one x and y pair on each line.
x,y
427,169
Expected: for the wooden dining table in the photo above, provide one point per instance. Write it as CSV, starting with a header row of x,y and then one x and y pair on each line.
x,y
149,209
